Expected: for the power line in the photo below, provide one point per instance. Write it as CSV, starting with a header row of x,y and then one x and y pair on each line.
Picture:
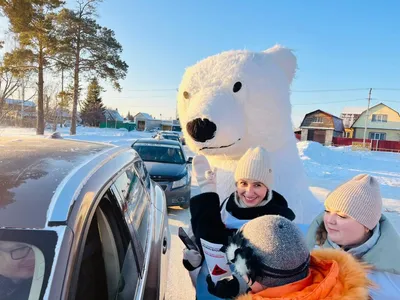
x,y
331,90
135,97
293,91
152,90
396,101
328,102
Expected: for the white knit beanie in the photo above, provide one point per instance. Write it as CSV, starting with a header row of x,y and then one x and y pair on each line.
x,y
255,165
359,198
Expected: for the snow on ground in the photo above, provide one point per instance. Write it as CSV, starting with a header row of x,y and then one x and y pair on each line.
x,y
326,168
120,137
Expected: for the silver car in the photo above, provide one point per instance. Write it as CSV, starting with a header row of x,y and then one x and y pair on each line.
x,y
79,220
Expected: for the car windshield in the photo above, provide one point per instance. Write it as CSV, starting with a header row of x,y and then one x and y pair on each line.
x,y
26,257
170,154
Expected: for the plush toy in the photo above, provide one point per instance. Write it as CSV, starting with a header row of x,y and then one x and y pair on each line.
x,y
235,100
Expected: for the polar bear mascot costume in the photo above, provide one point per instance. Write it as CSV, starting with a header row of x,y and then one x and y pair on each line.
x,y
235,100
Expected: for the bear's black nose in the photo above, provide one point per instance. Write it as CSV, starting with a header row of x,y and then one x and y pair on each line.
x,y
201,130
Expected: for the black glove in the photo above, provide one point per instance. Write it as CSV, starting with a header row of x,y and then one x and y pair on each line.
x,y
225,288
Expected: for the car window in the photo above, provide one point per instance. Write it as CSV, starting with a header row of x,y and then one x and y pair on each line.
x,y
151,152
142,171
136,203
109,267
26,258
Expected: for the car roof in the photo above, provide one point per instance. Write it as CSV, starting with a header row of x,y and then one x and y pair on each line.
x,y
157,142
168,132
32,168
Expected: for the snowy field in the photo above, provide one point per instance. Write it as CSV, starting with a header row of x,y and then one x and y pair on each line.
x,y
326,167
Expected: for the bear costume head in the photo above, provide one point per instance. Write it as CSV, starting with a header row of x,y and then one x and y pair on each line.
x,y
229,101
235,100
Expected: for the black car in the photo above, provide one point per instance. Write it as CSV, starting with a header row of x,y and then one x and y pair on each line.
x,y
167,165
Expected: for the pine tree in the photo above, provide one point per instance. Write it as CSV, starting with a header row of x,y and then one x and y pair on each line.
x,y
129,116
88,47
92,112
33,23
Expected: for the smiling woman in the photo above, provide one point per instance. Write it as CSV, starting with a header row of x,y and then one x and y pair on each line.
x,y
353,221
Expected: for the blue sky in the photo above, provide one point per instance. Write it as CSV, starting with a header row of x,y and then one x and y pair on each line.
x,y
338,44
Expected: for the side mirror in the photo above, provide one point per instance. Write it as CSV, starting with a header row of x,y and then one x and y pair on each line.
x,y
189,161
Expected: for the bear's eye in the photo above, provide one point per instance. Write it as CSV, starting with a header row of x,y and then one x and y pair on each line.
x,y
186,95
237,86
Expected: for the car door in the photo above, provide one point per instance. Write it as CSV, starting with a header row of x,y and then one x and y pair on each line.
x,y
108,266
157,277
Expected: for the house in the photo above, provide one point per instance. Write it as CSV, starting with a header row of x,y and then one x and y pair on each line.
x,y
17,108
18,112
144,121
349,115
173,125
383,123
321,127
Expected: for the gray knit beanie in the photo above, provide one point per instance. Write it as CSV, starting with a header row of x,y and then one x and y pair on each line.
x,y
255,165
359,198
270,250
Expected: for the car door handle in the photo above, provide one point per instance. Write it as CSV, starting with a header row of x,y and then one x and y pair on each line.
x,y
164,246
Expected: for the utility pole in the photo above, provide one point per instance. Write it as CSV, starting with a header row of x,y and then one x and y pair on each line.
x,y
367,117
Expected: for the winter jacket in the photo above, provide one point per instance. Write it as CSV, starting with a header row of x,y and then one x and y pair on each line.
x,y
333,275
216,223
382,254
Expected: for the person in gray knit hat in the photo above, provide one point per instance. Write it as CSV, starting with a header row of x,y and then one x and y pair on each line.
x,y
276,257
353,221
271,254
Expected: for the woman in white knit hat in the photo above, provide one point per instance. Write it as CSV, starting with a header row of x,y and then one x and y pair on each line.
x,y
253,197
353,221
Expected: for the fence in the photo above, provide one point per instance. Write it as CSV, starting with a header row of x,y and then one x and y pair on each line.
x,y
373,145
118,125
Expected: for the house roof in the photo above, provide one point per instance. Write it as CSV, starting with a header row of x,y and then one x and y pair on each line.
x,y
144,115
337,122
372,108
111,114
19,102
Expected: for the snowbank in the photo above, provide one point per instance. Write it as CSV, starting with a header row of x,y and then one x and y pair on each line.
x,y
328,167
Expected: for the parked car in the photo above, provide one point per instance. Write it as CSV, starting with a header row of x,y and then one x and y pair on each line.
x,y
168,166
79,220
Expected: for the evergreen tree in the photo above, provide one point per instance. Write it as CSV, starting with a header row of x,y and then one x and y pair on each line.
x,y
33,23
129,116
92,112
88,48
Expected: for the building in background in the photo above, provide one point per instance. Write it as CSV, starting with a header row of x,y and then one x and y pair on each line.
x,y
383,124
113,115
321,127
349,115
18,112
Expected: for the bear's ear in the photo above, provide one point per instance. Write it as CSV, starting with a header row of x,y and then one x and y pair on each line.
x,y
285,58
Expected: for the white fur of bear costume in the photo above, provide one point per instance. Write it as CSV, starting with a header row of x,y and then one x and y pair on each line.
x,y
235,100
